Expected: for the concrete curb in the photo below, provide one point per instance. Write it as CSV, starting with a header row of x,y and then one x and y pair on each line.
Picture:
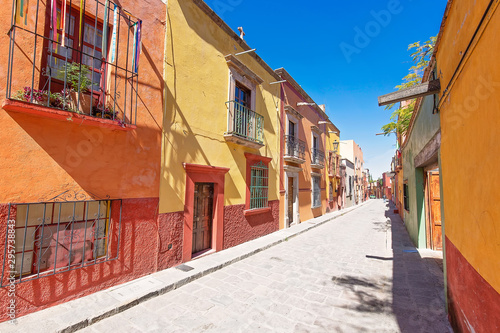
x,y
69,317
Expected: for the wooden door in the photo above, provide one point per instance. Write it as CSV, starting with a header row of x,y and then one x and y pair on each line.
x,y
202,217
291,199
434,210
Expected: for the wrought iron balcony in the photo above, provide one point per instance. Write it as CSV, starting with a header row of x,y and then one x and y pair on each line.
x,y
244,126
295,150
75,68
317,158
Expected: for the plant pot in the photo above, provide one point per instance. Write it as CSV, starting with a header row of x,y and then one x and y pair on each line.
x,y
83,105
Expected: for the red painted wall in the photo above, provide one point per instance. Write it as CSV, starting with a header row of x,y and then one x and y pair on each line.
x,y
239,228
469,293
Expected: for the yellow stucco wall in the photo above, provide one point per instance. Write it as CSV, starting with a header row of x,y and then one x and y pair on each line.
x,y
197,88
470,153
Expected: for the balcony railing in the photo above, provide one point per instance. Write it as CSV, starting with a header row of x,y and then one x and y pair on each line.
x,y
245,124
317,158
76,65
295,148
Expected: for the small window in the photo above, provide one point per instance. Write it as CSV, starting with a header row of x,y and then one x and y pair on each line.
x,y
316,191
331,191
259,186
406,198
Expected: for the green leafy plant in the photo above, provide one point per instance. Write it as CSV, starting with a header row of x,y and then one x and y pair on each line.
x,y
400,118
77,76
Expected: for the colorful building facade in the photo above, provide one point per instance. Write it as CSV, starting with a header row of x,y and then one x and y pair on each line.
x,y
81,150
304,137
219,183
468,109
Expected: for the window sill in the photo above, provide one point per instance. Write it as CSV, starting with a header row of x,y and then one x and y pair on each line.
x,y
256,211
60,115
315,207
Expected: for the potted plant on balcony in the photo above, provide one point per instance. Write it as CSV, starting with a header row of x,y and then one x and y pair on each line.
x,y
77,77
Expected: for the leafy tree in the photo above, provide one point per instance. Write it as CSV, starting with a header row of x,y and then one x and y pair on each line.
x,y
400,118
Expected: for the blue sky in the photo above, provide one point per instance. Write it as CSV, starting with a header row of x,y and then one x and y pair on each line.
x,y
343,53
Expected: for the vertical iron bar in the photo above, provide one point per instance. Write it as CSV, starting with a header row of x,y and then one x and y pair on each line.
x,y
57,237
9,72
34,53
93,58
109,203
97,229
126,71
6,245
86,211
65,86
136,91
71,233
116,59
41,242
119,230
81,56
24,241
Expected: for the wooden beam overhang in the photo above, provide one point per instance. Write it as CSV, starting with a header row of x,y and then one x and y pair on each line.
x,y
420,90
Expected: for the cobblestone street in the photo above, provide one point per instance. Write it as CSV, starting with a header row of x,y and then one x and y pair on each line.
x,y
357,273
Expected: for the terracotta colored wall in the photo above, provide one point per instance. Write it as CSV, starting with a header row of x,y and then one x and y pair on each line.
x,y
469,146
43,159
94,162
239,228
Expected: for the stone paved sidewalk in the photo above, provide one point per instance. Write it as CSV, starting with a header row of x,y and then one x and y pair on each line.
x,y
356,273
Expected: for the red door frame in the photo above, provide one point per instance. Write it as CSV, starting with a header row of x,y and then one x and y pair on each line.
x,y
203,174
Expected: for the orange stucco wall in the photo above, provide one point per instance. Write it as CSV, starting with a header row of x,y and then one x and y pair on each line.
x,y
41,158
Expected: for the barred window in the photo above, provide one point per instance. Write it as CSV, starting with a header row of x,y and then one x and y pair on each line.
x,y
59,236
259,186
316,191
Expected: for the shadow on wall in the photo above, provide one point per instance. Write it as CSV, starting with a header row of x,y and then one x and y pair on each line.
x,y
134,260
105,163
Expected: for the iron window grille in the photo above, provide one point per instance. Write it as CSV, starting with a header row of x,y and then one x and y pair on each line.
x,y
53,237
316,191
406,198
79,76
259,186
295,147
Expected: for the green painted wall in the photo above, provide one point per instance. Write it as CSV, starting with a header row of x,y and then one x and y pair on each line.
x,y
426,125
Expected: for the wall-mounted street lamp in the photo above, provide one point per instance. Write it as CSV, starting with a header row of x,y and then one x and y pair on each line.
x,y
335,146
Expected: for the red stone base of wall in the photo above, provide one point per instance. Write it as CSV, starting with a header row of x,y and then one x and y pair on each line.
x,y
473,304
239,228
